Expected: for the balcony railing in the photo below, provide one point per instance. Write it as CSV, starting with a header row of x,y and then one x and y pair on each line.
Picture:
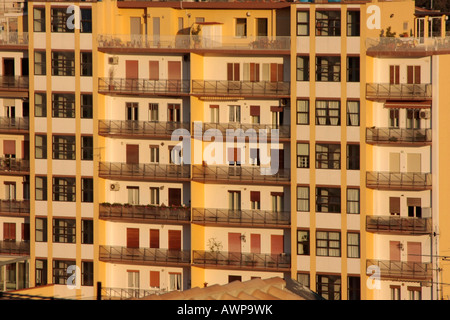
x,y
240,88
401,270
13,38
403,91
128,293
397,136
193,42
260,261
147,171
238,174
14,166
13,125
249,129
148,256
406,45
398,180
14,83
143,213
14,248
121,128
398,225
143,86
20,208
259,218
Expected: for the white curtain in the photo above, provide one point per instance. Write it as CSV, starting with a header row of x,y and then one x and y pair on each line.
x,y
353,113
334,112
353,245
302,111
321,111
353,201
302,199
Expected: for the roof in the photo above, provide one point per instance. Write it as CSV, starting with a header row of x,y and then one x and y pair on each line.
x,y
256,289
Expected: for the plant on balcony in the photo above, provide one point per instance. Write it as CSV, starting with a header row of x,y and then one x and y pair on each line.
x,y
195,35
111,79
214,245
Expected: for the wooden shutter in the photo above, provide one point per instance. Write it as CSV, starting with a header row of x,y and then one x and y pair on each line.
x,y
174,197
276,244
413,161
9,231
174,68
273,72
132,69
413,202
417,79
154,238
234,242
229,71
154,70
9,147
174,239
132,154
280,72
394,205
255,196
254,111
394,250
414,251
132,238
410,74
255,243
394,74
154,279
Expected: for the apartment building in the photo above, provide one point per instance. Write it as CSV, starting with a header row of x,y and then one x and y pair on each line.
x,y
174,145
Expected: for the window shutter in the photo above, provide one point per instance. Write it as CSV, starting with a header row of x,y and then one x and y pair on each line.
x,y
254,111
154,279
417,74
174,240
410,74
132,238
394,205
9,147
154,238
255,196
413,202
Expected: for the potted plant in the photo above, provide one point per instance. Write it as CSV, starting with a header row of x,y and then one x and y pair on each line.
x,y
195,36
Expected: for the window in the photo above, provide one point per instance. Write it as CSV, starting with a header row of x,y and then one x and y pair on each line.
x,y
234,113
63,105
64,230
59,19
41,188
63,63
40,63
303,112
328,112
353,23
9,231
303,199
303,242
328,243
328,200
277,201
328,23
174,281
64,189
353,69
394,118
174,112
255,200
255,158
154,154
328,69
394,206
41,272
40,149
304,279
154,196
328,156
60,275
40,105
133,195
63,147
87,148
39,19
86,64
413,118
395,293
234,200
86,106
352,156
415,293
303,23
214,113
41,229
354,288
87,231
87,190
251,72
87,273
352,113
302,155
302,68
353,245
414,207
353,200
328,286
241,27
153,112
86,20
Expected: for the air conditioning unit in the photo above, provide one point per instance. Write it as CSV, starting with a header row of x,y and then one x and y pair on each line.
x,y
113,60
114,187
425,114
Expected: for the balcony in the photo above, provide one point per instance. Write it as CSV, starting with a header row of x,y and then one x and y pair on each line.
x,y
15,208
21,248
144,172
237,260
144,256
241,218
144,213
225,88
398,181
14,125
12,166
240,175
402,92
13,40
398,225
248,129
145,87
398,136
141,129
14,86
406,47
128,293
399,270
186,43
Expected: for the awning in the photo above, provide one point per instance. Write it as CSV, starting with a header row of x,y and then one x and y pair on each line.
x,y
408,105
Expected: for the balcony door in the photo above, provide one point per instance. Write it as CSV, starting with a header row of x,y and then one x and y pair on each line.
x,y
131,74
255,243
413,75
174,197
414,250
132,238
132,111
174,240
132,154
413,161
9,231
133,282
394,250
394,162
135,28
276,244
234,247
174,75
394,74
154,238
8,67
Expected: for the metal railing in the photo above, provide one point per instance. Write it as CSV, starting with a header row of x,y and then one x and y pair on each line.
x,y
14,248
397,135
251,130
395,45
15,207
398,180
265,261
401,91
14,166
143,212
240,174
147,171
240,88
395,224
128,293
13,38
143,86
390,269
143,255
14,83
135,127
241,217
14,124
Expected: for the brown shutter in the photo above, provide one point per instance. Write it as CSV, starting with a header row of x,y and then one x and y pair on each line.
x,y
391,74
154,279
236,72
174,239
280,72
397,74
154,238
174,70
273,72
414,251
174,197
9,147
394,205
276,244
229,71
255,243
132,154
131,69
234,242
410,75
254,111
417,79
9,231
276,109
132,238
394,250
252,72
413,202
255,196
154,70
214,106
257,72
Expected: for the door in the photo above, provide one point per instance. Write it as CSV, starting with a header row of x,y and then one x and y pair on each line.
x,y
9,231
174,75
414,251
133,282
131,74
132,111
174,240
132,238
154,238
135,26
394,250
10,190
156,30
133,195
234,247
24,67
413,74
174,197
132,154
8,67
394,74
394,162
154,70
261,27
154,279
255,243
276,244
413,161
